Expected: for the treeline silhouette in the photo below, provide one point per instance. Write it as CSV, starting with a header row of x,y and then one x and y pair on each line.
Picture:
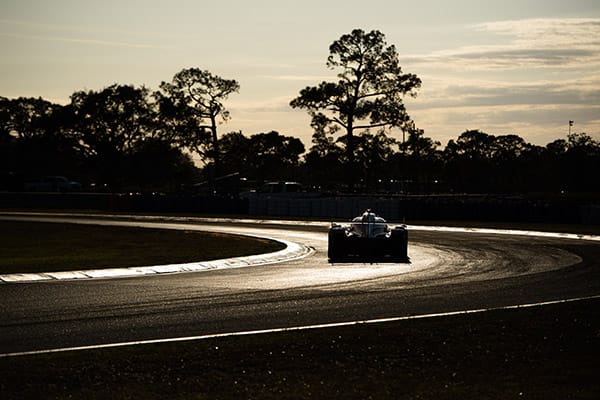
x,y
115,139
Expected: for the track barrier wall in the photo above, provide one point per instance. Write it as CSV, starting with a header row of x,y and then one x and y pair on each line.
x,y
397,209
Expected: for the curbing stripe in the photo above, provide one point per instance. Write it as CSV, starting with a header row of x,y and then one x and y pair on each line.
x,y
293,251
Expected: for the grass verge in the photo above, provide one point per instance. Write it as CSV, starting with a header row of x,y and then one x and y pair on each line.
x,y
42,247
537,353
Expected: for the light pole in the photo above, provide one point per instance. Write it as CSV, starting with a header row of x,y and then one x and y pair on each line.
x,y
570,125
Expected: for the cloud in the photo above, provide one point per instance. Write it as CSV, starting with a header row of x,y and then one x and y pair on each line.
x,y
304,78
548,32
274,104
530,78
14,29
474,93
538,124
532,43
83,41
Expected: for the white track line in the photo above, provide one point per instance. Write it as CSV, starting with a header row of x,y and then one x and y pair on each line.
x,y
294,328
303,253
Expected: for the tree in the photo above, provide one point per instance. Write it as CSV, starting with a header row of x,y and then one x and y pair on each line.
x,y
25,117
583,143
469,161
235,149
510,162
580,162
157,165
109,124
508,147
262,156
473,145
274,156
373,152
419,146
369,90
322,165
111,120
196,95
418,164
557,148
33,140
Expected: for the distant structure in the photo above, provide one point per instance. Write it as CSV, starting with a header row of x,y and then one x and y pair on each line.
x,y
570,125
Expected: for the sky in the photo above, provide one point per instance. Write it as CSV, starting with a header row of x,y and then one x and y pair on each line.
x,y
522,67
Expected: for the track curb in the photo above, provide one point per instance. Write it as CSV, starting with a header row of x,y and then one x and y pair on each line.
x,y
293,251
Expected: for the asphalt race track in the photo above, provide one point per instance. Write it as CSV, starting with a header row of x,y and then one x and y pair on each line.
x,y
450,271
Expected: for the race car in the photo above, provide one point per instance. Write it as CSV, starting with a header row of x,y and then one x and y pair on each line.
x,y
368,238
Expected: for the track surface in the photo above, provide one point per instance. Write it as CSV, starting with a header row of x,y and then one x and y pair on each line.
x,y
449,271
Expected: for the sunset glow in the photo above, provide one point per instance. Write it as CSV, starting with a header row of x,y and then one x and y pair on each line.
x,y
522,67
